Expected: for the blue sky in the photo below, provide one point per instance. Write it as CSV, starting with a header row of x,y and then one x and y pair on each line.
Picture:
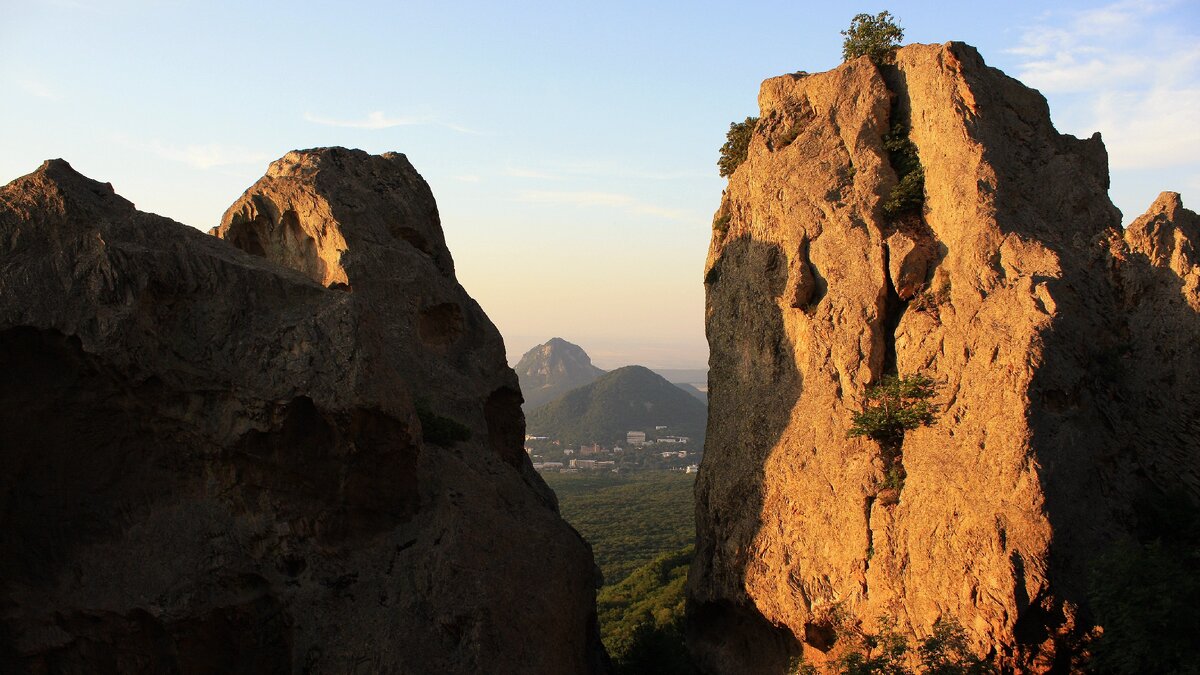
x,y
571,146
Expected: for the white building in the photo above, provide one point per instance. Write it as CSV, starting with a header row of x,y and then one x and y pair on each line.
x,y
635,438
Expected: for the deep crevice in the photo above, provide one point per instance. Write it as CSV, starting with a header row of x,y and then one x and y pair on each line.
x,y
893,311
868,504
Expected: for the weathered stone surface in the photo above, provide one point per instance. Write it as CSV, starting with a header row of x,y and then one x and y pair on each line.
x,y
1156,271
1000,291
210,462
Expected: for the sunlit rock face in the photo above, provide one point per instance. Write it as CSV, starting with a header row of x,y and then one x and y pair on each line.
x,y
1005,287
291,447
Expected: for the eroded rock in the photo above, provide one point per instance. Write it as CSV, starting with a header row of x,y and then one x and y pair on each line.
x,y
997,289
219,460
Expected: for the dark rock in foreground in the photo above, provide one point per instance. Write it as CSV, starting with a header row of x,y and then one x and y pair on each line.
x,y
308,459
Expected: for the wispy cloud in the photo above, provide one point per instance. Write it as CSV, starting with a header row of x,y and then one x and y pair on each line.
x,y
200,156
37,88
614,200
562,170
379,120
519,172
620,171
1133,74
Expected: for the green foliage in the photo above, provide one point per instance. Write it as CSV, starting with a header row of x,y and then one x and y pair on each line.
x,y
632,398
1146,593
642,617
894,479
946,652
893,407
440,430
887,652
931,299
908,196
721,223
737,145
875,37
628,518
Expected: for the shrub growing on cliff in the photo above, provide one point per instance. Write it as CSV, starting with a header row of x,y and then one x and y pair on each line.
x,y
875,37
909,194
893,407
1145,591
944,652
737,145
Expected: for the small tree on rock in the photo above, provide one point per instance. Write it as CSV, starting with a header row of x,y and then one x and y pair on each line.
x,y
737,146
875,37
893,407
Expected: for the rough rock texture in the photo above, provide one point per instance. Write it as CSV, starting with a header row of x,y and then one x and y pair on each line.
x,y
548,371
1156,271
1001,289
210,462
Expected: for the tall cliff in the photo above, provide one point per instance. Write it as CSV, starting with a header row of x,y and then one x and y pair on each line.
x,y
301,456
1059,347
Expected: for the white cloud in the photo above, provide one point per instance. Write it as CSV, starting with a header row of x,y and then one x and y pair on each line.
x,y
1130,70
379,120
587,199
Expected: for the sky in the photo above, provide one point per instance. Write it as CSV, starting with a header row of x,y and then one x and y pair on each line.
x,y
571,146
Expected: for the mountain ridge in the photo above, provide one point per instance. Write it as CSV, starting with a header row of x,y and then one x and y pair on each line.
x,y
632,398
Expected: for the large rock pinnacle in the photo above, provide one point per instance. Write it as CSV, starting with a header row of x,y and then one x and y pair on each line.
x,y
999,287
301,456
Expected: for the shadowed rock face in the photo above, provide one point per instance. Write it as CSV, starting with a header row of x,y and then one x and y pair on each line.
x,y
1012,288
212,459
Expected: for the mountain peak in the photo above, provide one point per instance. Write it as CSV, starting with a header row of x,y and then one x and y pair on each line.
x,y
552,369
628,398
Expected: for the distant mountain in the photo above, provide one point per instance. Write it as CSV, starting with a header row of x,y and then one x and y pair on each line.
x,y
683,375
548,371
699,395
632,398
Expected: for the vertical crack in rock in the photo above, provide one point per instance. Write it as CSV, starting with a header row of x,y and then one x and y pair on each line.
x,y
893,312
868,504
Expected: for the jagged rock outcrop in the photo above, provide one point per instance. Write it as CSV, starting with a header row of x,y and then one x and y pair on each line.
x,y
301,456
1000,288
550,370
1155,268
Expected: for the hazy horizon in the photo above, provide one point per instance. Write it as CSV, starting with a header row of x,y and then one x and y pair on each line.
x,y
572,153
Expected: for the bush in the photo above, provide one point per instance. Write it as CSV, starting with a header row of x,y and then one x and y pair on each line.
x,y
893,407
945,652
642,618
875,37
909,194
737,145
1145,592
